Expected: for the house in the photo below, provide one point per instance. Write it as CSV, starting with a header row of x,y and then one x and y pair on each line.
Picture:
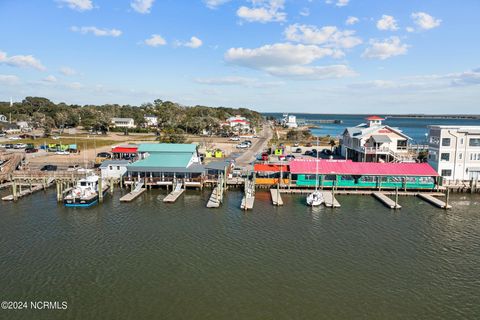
x,y
3,118
24,126
164,163
9,128
289,121
151,120
238,123
454,152
375,142
123,123
113,169
125,152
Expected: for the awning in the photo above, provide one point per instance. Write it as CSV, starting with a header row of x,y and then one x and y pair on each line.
x,y
125,150
260,167
381,138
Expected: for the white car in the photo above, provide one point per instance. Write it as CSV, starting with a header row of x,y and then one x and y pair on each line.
x,y
20,146
234,139
55,137
14,138
242,146
62,152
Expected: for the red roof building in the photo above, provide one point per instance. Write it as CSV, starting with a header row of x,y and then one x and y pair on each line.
x,y
125,149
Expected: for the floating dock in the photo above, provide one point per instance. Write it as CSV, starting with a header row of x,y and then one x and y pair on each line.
x,y
139,190
247,203
276,197
249,197
330,200
389,203
435,201
216,198
173,196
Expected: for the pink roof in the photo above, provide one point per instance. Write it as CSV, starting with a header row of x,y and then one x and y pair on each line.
x,y
348,167
374,118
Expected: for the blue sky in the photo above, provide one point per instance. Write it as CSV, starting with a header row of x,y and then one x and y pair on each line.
x,y
323,56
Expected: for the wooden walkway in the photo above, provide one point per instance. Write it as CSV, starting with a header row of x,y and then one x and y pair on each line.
x,y
132,195
276,197
24,192
247,203
389,203
216,198
173,196
435,201
330,200
249,197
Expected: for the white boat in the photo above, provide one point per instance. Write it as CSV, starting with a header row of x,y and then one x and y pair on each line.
x,y
315,199
85,194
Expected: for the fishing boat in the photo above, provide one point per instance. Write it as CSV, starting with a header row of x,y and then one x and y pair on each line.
x,y
315,198
85,194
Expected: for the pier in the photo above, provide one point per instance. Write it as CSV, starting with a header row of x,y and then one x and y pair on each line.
x,y
17,194
216,198
249,197
173,196
276,197
330,200
435,201
389,203
138,191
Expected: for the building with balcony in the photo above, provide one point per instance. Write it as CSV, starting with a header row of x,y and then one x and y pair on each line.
x,y
454,152
375,142
238,123
123,123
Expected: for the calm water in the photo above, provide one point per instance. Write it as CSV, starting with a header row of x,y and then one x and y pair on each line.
x,y
149,260
414,128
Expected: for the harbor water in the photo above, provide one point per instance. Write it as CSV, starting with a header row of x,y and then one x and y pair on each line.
x,y
150,260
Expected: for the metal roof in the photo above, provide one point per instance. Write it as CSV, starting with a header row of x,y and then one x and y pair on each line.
x,y
165,160
381,138
194,168
347,167
260,167
114,163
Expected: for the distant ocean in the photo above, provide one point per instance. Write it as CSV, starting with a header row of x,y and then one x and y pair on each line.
x,y
415,128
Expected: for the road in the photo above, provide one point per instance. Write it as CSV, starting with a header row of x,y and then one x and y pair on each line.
x,y
246,158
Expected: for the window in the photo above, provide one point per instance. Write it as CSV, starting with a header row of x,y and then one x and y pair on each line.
x,y
460,156
461,141
446,142
446,173
445,157
474,142
110,167
118,168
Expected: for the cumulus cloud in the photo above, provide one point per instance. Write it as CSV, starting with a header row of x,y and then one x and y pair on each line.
x,y
142,6
226,81
305,12
155,40
329,36
338,3
385,49
97,31
7,79
50,79
214,4
67,71
424,21
263,11
351,21
288,60
387,23
193,43
21,61
79,5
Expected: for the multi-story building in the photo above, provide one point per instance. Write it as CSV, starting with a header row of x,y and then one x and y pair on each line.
x,y
375,142
238,123
454,151
289,121
150,120
123,123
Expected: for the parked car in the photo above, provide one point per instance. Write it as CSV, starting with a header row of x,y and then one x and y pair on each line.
x,y
234,139
327,152
74,167
298,150
3,134
289,157
49,167
56,137
20,146
242,146
14,138
248,142
31,150
62,152
9,146
308,153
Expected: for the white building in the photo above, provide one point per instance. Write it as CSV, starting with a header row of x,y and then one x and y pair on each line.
x,y
24,126
375,142
454,151
3,118
151,120
113,169
238,123
289,121
123,123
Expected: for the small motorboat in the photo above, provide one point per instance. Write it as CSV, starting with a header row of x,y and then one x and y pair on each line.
x,y
85,194
315,199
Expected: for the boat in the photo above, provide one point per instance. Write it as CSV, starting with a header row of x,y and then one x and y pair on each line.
x,y
85,194
315,198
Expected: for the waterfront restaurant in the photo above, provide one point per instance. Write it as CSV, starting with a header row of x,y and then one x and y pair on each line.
x,y
269,174
369,175
162,163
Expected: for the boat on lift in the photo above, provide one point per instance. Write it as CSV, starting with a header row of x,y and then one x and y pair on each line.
x,y
86,192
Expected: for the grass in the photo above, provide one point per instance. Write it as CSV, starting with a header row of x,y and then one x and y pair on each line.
x,y
82,143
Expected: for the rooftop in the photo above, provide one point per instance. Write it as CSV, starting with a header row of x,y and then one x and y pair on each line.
x,y
167,147
114,163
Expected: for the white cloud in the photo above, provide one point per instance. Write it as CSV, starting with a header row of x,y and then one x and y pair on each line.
x,y
50,79
263,11
67,71
305,12
21,61
338,3
79,5
74,85
328,35
288,60
410,29
385,49
193,43
142,6
425,21
213,4
155,40
351,21
8,79
387,23
226,81
97,32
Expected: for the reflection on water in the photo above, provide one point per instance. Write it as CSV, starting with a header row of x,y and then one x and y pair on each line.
x,y
147,259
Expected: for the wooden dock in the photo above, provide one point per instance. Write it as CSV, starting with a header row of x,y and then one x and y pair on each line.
x,y
435,201
389,203
24,193
249,197
247,203
276,197
330,200
216,198
173,196
132,195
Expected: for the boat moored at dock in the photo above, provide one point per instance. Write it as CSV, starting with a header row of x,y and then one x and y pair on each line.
x,y
86,193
